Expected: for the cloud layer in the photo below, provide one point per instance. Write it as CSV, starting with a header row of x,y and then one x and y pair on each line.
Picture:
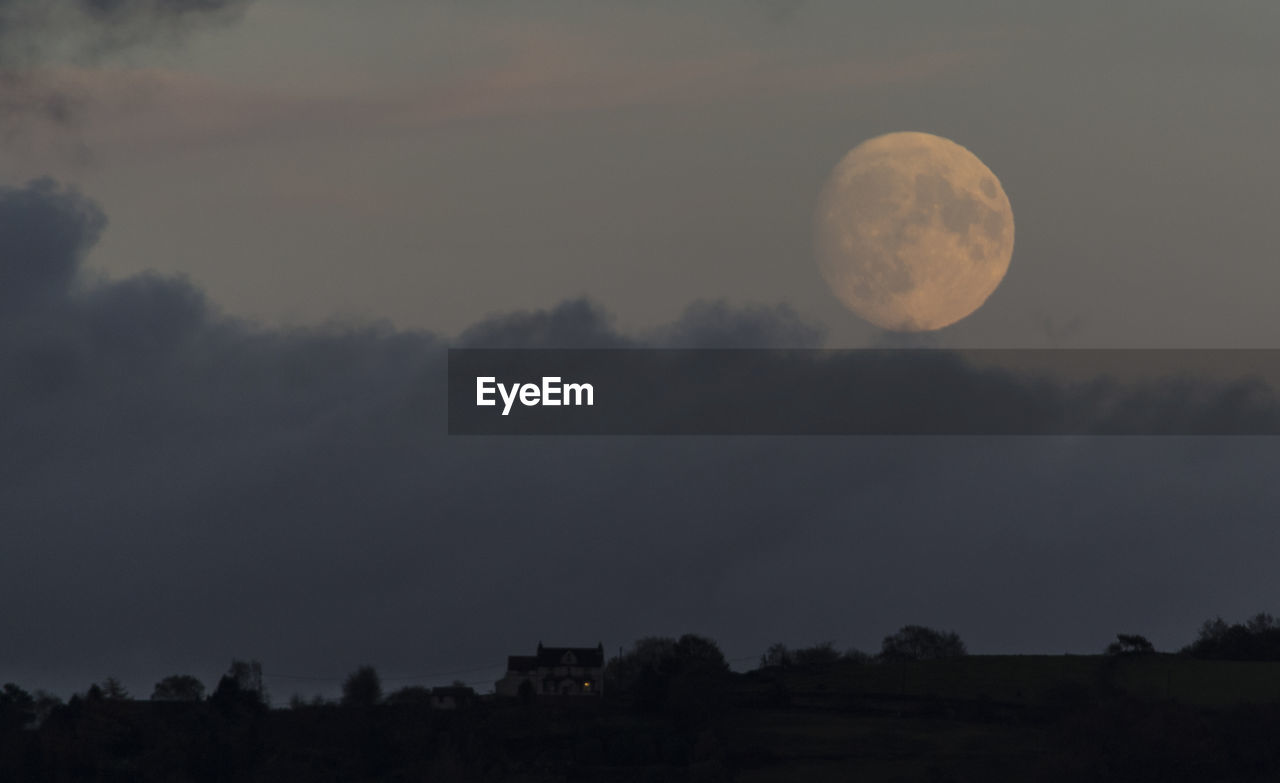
x,y
179,488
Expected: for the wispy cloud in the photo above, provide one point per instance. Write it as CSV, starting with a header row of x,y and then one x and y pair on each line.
x,y
35,34
540,71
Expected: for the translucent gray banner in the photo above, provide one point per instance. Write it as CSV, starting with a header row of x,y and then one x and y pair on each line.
x,y
863,392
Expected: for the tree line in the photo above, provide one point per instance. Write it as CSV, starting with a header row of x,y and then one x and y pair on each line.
x,y
657,672
1255,639
909,643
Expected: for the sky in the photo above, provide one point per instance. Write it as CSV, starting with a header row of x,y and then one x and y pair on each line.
x,y
236,239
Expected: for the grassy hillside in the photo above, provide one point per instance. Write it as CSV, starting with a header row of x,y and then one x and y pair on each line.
x,y
1046,679
994,718
1051,719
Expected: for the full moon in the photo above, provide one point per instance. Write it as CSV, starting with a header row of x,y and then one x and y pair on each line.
x,y
913,232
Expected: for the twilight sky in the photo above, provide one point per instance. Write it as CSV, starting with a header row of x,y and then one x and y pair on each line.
x,y
225,298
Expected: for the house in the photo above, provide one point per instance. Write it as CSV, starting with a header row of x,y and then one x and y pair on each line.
x,y
555,672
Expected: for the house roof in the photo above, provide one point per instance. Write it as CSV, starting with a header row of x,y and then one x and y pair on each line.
x,y
582,656
522,663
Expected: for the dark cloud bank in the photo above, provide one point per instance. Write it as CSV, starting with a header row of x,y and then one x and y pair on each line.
x,y
178,488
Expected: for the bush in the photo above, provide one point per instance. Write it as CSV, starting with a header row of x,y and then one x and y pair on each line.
x,y
363,688
777,656
178,687
818,656
1257,639
918,643
1130,644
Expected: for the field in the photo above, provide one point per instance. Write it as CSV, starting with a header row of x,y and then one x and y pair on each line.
x,y
1044,679
986,718
1050,719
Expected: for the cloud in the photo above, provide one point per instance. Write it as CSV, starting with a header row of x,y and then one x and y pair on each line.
x,y
44,234
32,31
717,324
578,323
573,324
35,34
180,487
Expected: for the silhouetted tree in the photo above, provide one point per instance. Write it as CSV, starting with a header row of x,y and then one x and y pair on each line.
x,y
918,643
411,694
45,704
241,685
178,687
692,649
1130,644
685,676
1260,623
1256,639
625,673
854,655
695,679
777,656
363,688
114,690
297,701
17,707
818,656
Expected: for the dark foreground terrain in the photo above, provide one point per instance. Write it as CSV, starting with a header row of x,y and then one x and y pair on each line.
x,y
979,718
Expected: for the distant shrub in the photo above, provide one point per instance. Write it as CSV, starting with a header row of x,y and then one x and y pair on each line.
x,y
178,687
918,643
1257,639
818,656
363,688
412,694
777,656
1130,644
17,707
241,687
854,655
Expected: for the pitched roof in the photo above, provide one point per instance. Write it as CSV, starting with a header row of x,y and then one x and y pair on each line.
x,y
581,656
522,663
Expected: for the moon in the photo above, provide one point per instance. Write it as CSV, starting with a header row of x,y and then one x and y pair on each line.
x,y
913,232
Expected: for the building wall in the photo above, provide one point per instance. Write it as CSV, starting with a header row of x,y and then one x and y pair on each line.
x,y
557,678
